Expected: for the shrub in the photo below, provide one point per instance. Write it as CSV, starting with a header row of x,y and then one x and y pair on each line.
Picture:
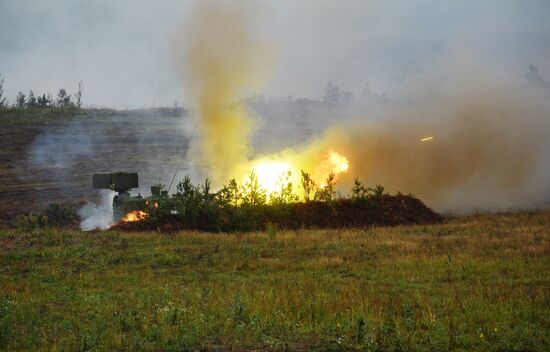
x,y
27,223
244,207
60,215
285,194
327,192
55,214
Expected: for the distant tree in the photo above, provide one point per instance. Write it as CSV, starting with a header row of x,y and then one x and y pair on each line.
x,y
346,95
20,100
31,100
63,99
533,76
42,101
3,102
45,101
78,94
332,93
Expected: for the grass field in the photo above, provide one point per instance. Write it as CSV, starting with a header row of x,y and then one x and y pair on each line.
x,y
474,283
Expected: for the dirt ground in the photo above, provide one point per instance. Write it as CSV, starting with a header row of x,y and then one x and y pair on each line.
x,y
44,163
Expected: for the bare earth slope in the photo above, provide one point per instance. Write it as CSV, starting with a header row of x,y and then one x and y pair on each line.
x,y
51,158
53,162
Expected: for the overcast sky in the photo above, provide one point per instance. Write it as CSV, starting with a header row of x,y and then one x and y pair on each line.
x,y
123,50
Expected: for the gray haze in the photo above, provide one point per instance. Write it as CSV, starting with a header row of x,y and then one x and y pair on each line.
x,y
124,50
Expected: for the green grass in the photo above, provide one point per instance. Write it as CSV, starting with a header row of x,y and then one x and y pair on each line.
x,y
477,283
17,116
39,115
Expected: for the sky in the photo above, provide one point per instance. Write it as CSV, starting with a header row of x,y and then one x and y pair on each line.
x,y
124,51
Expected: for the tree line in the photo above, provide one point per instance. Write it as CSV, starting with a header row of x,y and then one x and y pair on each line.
x,y
31,100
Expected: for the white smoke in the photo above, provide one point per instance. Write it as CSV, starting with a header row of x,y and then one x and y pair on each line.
x,y
98,216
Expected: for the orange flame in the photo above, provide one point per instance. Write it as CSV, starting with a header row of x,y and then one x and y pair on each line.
x,y
334,163
136,215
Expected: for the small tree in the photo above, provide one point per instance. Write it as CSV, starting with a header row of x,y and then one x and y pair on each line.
x,y
78,94
186,189
188,199
253,194
378,191
230,194
328,192
20,100
359,191
285,194
308,184
206,191
3,102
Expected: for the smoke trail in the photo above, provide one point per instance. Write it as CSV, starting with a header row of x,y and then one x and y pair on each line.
x,y
224,55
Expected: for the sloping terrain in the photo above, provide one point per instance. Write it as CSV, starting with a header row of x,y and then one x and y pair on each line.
x,y
54,162
49,158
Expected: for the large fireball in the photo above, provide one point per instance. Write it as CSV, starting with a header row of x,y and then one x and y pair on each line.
x,y
276,171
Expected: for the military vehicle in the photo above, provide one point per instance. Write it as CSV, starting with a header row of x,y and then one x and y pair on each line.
x,y
126,206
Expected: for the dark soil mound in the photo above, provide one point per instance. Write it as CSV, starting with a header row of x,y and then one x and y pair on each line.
x,y
382,211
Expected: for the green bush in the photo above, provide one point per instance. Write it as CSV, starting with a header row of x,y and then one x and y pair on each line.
x,y
60,215
55,214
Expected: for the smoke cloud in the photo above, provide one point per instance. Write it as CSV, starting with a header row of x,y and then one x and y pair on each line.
x,y
485,144
98,216
224,55
468,139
